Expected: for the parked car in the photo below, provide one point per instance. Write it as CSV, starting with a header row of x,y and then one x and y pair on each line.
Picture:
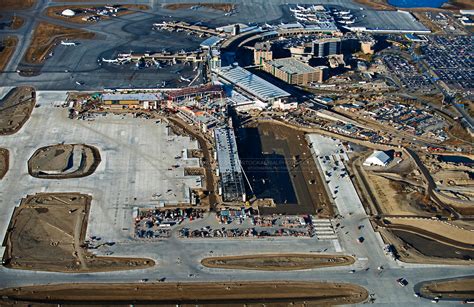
x,y
402,282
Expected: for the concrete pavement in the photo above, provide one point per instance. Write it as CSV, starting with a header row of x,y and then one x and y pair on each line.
x,y
123,175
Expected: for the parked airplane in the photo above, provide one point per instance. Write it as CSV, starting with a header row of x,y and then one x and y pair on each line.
x,y
109,61
184,79
66,43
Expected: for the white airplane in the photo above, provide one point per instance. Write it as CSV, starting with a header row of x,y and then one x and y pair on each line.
x,y
162,24
302,8
66,43
79,83
184,79
109,61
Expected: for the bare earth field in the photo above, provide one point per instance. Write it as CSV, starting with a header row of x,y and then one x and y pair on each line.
x,y
55,12
16,4
16,23
46,36
225,7
64,161
460,5
47,233
376,4
307,182
7,48
451,5
437,227
461,288
415,248
395,190
395,197
277,262
196,293
15,109
4,158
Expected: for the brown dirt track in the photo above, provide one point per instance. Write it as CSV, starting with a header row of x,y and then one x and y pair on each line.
x,y
438,228
9,46
46,36
207,160
415,248
277,262
461,288
47,232
16,108
51,162
4,161
313,293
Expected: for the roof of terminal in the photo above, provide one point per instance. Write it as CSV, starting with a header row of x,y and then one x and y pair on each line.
x,y
227,153
211,41
252,83
292,66
132,96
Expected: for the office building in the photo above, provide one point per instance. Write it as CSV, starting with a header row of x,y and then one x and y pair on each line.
x,y
294,72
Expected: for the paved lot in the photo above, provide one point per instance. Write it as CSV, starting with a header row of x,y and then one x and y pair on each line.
x,y
137,158
347,202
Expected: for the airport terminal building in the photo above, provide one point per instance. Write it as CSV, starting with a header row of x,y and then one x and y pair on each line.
x,y
252,84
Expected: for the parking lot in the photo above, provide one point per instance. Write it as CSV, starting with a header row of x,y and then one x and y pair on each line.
x,y
407,73
452,60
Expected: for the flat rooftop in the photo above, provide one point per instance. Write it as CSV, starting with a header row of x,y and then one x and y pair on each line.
x,y
229,164
292,66
226,148
252,83
133,96
211,42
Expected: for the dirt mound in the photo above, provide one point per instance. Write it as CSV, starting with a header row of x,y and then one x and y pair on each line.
x,y
15,109
460,288
277,262
4,159
64,161
47,233
281,292
7,47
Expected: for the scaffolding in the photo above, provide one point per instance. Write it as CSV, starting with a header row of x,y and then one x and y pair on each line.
x,y
229,165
